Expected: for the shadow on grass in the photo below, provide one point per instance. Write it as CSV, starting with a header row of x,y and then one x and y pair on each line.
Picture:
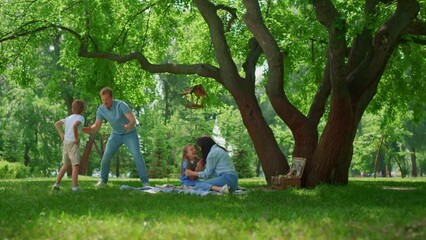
x,y
29,204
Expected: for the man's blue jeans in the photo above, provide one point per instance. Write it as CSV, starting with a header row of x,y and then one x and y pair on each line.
x,y
131,140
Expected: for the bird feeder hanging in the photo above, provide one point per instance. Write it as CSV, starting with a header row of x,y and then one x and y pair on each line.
x,y
194,97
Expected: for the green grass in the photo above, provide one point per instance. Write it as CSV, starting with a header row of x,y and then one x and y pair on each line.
x,y
364,209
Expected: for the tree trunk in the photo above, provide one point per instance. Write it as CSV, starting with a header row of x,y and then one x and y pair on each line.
x,y
272,159
376,161
27,155
117,166
332,155
413,162
84,163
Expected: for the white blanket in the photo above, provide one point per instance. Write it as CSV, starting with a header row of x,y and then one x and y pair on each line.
x,y
168,188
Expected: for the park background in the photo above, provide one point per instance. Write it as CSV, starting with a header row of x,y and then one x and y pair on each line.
x,y
151,52
55,53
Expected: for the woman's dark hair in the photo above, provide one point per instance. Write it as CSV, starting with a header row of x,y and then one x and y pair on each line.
x,y
206,143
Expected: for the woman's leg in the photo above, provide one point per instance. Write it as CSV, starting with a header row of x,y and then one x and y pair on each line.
x,y
207,185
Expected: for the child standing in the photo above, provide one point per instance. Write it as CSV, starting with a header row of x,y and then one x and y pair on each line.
x,y
71,152
190,161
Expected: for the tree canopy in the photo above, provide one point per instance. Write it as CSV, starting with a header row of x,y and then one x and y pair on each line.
x,y
323,61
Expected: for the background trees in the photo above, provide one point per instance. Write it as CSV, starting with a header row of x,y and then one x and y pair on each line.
x,y
320,75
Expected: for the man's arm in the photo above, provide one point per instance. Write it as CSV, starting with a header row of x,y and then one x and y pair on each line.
x,y
132,121
94,128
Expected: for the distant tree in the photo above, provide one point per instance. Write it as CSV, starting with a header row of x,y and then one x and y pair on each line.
x,y
415,143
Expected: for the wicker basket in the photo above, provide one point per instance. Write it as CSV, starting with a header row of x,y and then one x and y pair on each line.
x,y
293,178
283,182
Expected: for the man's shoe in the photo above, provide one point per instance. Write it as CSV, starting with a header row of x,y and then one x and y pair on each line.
x,y
55,187
146,184
100,184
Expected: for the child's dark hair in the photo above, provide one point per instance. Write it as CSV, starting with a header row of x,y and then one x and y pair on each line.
x,y
77,106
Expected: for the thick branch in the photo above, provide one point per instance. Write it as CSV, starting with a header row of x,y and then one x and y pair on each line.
x,y
275,85
336,27
228,69
249,65
362,41
371,69
318,106
417,27
231,11
204,70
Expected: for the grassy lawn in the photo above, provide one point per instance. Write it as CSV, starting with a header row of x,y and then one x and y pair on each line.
x,y
364,209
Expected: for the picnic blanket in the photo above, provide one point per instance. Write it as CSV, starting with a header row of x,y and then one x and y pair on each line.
x,y
168,188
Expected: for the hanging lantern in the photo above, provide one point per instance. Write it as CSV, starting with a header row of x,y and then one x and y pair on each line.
x,y
194,97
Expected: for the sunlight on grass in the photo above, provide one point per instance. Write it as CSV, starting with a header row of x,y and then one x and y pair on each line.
x,y
363,209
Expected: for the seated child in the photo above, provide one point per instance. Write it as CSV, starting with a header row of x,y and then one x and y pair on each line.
x,y
191,161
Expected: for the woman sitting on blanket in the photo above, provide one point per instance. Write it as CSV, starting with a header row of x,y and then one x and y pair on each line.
x,y
218,164
190,161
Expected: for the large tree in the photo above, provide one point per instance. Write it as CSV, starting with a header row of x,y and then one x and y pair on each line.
x,y
356,55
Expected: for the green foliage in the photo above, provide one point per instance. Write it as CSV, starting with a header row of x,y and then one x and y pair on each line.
x,y
284,138
421,163
9,170
237,141
28,130
160,156
391,138
403,83
163,142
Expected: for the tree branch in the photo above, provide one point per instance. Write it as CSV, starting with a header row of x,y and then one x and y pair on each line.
x,y
317,108
204,70
386,39
417,27
275,84
228,69
328,15
22,31
251,60
231,11
362,42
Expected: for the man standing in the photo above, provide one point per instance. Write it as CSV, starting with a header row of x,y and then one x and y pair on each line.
x,y
123,122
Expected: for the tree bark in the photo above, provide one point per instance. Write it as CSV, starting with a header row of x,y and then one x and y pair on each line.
x,y
27,155
84,163
117,165
413,162
272,159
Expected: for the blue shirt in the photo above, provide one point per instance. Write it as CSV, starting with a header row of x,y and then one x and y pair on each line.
x,y
185,180
115,115
218,163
